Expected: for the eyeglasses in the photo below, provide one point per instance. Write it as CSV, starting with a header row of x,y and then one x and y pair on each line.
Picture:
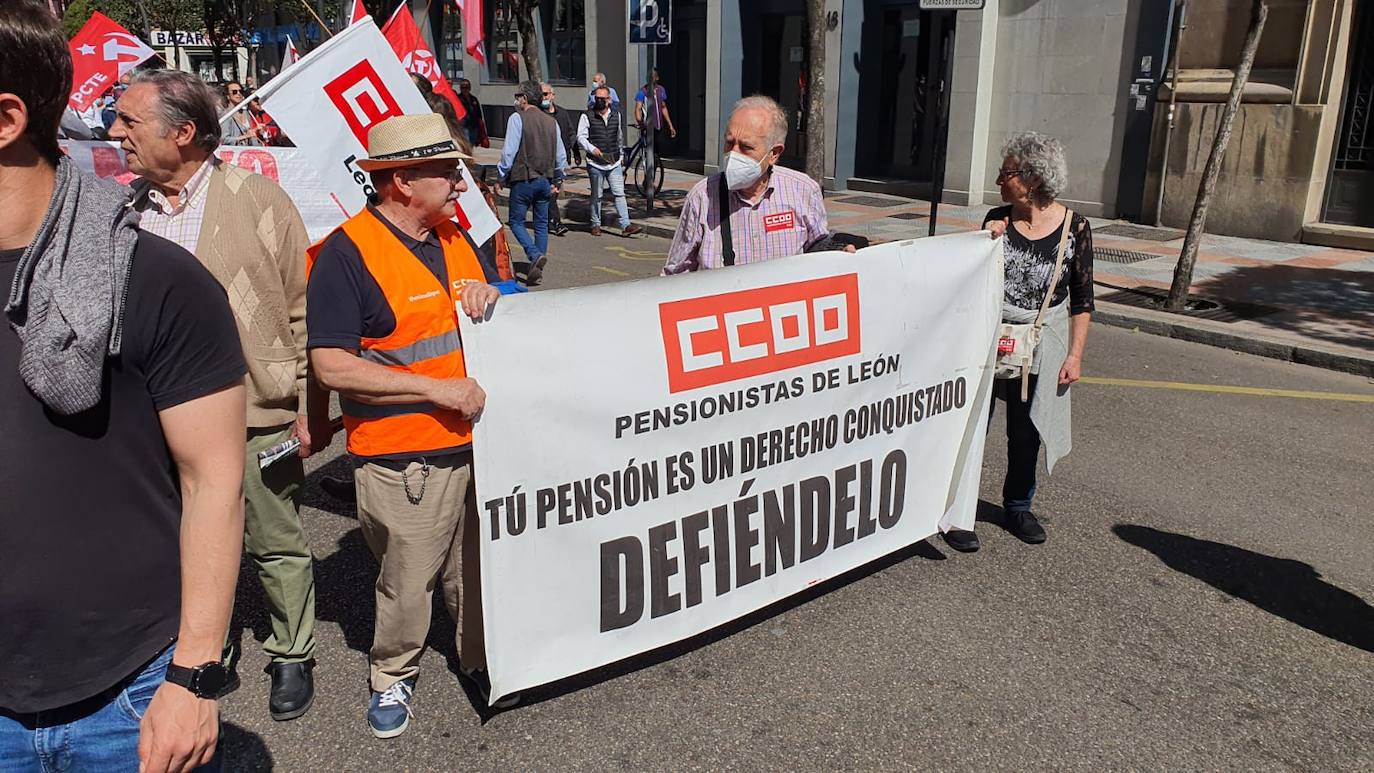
x,y
1003,174
235,91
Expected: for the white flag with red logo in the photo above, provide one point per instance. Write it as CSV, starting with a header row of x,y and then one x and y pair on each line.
x,y
327,102
415,56
102,52
473,36
292,55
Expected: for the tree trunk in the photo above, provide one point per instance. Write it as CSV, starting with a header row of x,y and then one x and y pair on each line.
x,y
815,106
815,91
529,41
1187,259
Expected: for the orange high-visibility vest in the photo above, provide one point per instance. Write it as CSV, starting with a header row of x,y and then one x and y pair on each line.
x,y
424,342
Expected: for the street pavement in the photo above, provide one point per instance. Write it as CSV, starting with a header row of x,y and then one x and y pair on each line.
x,y
1201,604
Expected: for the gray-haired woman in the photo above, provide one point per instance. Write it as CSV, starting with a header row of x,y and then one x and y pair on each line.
x,y
1034,173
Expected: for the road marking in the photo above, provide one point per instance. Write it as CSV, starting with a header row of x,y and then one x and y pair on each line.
x,y
1230,390
615,271
645,256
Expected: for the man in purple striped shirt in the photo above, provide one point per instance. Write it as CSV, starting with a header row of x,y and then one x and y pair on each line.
x,y
774,211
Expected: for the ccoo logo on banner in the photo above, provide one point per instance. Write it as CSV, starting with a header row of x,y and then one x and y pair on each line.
x,y
731,438
329,100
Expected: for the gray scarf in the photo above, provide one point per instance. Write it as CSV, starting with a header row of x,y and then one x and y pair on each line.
x,y
67,300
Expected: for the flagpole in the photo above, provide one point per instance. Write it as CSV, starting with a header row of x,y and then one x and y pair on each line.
x,y
318,20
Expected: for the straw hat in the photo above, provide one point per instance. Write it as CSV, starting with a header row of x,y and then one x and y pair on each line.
x,y
408,140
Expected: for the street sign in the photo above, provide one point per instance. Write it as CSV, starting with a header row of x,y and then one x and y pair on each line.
x,y
651,22
952,5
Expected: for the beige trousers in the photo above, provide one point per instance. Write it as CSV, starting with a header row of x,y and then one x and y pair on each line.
x,y
415,543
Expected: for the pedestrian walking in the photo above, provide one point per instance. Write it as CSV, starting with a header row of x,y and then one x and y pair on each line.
x,y
753,210
1049,281
474,128
567,134
121,377
385,292
532,164
598,82
247,232
598,134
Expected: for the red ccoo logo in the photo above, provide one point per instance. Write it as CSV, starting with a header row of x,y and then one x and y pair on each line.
x,y
719,338
362,99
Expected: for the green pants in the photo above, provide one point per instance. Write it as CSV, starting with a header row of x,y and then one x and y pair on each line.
x,y
275,540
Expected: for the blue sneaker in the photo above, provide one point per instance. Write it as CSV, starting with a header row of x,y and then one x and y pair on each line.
x,y
389,713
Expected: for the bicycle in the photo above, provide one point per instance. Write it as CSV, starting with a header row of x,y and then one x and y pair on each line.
x,y
636,163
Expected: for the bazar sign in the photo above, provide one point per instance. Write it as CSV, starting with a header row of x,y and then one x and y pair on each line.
x,y
180,38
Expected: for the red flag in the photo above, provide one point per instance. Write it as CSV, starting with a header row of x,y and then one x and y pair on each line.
x,y
473,36
415,56
102,52
357,12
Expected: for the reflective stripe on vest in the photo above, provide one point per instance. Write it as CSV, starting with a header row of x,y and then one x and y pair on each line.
x,y
425,340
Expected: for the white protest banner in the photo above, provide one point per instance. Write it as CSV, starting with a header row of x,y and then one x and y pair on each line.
x,y
328,100
691,449
294,173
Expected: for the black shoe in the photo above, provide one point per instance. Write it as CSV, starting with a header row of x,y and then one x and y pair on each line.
x,y
293,689
339,488
559,230
961,540
535,274
482,682
1025,526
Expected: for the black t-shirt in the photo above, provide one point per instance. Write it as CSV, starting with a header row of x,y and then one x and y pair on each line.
x,y
90,572
1030,262
347,305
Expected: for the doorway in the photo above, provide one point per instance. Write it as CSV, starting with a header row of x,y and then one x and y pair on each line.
x,y
1350,188
682,67
775,63
899,77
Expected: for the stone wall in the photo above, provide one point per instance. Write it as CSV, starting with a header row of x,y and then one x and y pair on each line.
x,y
1263,187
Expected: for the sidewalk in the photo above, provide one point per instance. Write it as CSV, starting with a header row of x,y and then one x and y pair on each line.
x,y
1302,303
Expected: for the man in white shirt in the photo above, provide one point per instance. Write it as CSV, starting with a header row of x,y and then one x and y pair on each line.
x,y
598,134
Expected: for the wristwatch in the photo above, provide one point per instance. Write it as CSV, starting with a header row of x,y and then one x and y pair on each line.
x,y
206,680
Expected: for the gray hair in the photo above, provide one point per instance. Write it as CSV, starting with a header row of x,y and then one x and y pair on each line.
x,y
777,119
1041,157
184,98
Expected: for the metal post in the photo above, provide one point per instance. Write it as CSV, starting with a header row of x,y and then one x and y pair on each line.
x,y
937,156
650,148
1180,26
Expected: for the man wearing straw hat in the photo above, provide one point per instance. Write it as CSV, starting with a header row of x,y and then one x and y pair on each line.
x,y
385,291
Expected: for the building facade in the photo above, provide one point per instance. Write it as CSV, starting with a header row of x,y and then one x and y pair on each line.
x,y
1086,71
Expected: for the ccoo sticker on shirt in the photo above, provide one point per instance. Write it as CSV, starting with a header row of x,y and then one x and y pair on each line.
x,y
779,221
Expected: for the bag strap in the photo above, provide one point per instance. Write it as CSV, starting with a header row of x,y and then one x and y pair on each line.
x,y
727,244
1058,267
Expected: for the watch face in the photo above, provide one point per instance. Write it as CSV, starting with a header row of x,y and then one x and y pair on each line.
x,y
211,679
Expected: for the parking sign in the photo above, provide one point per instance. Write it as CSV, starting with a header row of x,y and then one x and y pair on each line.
x,y
651,21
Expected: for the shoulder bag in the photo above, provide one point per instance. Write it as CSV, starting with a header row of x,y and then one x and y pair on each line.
x,y
1016,343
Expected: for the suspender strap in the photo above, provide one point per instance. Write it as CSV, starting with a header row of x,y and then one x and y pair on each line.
x,y
1058,267
727,245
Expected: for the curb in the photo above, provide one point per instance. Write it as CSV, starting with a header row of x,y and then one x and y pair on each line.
x,y
1168,325
646,229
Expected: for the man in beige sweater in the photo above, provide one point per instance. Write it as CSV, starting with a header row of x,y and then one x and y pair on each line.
x,y
246,231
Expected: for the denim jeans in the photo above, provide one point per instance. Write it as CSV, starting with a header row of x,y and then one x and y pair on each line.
x,y
616,178
524,196
1023,444
99,733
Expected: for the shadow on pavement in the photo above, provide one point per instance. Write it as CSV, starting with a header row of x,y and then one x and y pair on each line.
x,y
243,750
922,549
1284,587
1324,303
313,496
344,590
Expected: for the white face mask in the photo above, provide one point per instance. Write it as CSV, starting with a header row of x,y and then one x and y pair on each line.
x,y
741,171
